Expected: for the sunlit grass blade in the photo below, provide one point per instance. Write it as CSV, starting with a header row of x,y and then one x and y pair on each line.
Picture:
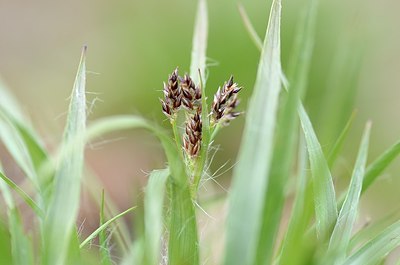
x,y
104,226
28,200
286,136
21,247
103,242
250,177
380,164
337,147
153,215
249,27
61,216
377,248
324,192
341,235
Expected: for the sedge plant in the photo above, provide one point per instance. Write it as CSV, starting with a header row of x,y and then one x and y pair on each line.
x,y
278,136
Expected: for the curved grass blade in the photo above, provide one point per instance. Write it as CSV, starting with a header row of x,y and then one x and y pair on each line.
x,y
104,226
333,154
21,247
249,27
27,199
380,164
341,235
377,248
153,215
59,223
324,192
251,177
369,231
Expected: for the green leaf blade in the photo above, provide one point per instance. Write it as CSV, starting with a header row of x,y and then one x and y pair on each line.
x,y
341,235
153,215
59,224
251,172
324,192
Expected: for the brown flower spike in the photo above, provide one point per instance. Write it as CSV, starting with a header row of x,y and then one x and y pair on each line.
x,y
192,136
225,102
172,95
191,95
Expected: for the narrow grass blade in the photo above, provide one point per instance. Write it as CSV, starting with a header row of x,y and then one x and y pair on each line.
x,y
28,200
286,136
296,247
103,242
250,177
377,248
16,147
380,164
371,230
199,45
341,235
63,210
104,226
153,215
249,27
324,192
337,147
21,247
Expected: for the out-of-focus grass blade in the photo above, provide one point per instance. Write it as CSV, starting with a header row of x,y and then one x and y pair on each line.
x,y
296,247
337,147
63,209
371,230
104,226
324,192
286,136
250,177
16,147
103,242
21,248
341,235
249,27
377,248
28,200
380,164
199,44
153,215
10,104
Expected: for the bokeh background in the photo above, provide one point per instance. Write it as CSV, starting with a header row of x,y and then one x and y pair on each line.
x,y
134,45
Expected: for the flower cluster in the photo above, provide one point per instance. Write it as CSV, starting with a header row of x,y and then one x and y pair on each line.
x,y
183,92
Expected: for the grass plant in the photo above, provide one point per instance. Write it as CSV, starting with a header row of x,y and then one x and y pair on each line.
x,y
279,144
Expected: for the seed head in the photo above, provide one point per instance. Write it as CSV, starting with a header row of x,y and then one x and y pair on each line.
x,y
172,95
192,136
225,103
191,94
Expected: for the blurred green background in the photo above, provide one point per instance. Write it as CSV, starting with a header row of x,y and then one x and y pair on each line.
x,y
134,45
